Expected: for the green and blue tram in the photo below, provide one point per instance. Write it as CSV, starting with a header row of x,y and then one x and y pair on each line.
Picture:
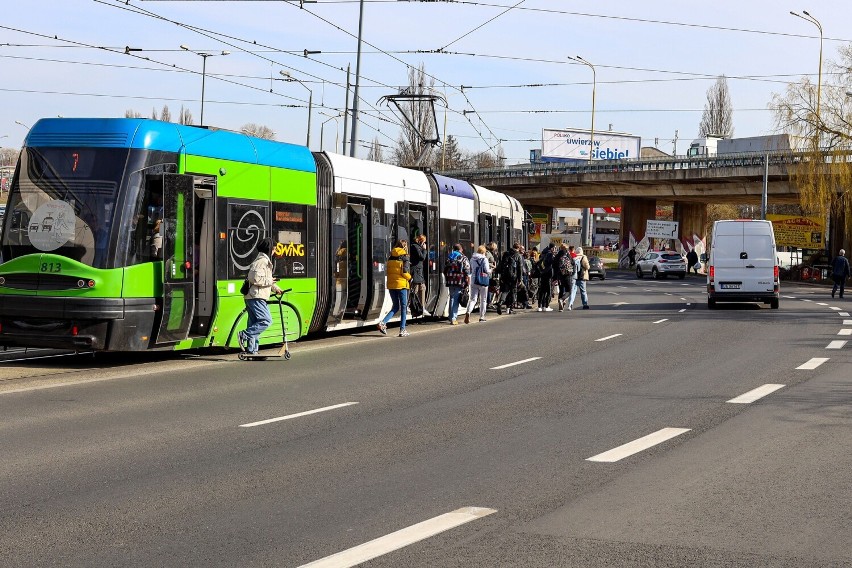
x,y
135,234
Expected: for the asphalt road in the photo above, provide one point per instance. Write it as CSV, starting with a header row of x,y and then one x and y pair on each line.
x,y
427,450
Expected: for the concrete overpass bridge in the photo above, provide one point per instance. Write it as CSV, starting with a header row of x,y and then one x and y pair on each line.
x,y
638,186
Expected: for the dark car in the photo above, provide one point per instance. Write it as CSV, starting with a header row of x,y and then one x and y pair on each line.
x,y
597,269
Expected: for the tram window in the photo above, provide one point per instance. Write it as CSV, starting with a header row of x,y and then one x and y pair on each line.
x,y
466,237
247,225
381,237
289,230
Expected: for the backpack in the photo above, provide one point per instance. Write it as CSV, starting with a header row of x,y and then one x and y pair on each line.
x,y
578,268
537,268
508,268
455,272
566,265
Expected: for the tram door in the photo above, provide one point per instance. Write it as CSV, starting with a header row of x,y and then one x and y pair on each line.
x,y
433,273
486,228
178,258
505,234
358,259
340,242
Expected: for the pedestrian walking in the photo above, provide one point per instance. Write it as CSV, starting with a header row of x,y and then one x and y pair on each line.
x,y
398,278
631,256
581,276
480,279
511,270
261,285
692,261
839,272
564,265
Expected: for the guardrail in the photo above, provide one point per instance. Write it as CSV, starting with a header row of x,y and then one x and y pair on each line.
x,y
746,159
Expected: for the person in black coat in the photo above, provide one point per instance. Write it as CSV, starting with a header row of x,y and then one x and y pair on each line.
x,y
691,261
839,272
511,270
418,255
545,279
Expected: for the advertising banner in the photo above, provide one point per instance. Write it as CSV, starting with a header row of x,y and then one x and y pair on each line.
x,y
577,145
799,232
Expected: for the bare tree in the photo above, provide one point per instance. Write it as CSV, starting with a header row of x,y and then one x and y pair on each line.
x,y
823,179
8,156
185,117
165,114
375,154
410,145
130,113
717,119
488,159
258,131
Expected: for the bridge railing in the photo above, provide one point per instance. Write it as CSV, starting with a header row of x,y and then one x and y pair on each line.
x,y
745,159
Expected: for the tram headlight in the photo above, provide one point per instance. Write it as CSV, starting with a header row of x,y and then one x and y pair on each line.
x,y
91,283
81,283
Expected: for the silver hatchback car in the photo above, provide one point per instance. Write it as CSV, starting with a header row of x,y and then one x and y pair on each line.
x,y
660,264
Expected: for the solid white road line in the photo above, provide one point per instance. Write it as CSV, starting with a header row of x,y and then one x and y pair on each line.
x,y
813,363
836,345
843,314
608,337
661,321
300,414
755,394
845,331
639,445
400,538
515,363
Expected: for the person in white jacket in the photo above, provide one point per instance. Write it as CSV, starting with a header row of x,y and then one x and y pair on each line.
x,y
262,285
480,275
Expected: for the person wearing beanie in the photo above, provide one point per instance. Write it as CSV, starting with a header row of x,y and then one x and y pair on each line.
x,y
262,284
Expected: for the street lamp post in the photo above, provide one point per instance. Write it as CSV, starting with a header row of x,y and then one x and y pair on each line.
x,y
19,123
204,55
352,144
587,217
289,77
808,18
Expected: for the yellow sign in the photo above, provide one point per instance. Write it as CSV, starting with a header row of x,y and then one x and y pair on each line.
x,y
291,249
800,232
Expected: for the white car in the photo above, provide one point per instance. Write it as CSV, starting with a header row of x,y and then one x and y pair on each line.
x,y
660,264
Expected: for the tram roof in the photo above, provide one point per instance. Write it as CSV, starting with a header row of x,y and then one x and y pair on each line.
x,y
452,186
148,134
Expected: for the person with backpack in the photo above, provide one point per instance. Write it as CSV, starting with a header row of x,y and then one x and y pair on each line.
x,y
457,273
565,266
491,254
510,270
398,278
535,274
480,279
546,275
581,275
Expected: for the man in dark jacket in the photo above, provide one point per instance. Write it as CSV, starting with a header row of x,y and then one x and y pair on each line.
x,y
511,270
418,256
691,261
839,272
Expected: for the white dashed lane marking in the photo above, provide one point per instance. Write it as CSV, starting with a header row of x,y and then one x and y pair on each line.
x,y
608,337
847,322
812,364
297,415
515,363
838,344
846,331
843,314
639,445
662,320
755,394
821,304
400,539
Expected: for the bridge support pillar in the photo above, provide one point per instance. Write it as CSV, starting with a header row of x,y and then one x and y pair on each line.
x,y
635,211
692,218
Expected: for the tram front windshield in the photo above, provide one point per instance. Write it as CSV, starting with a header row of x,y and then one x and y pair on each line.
x,y
63,201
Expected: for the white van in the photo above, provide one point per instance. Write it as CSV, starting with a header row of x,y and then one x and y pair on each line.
x,y
743,265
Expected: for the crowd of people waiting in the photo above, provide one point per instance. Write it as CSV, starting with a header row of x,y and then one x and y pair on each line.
x,y
519,279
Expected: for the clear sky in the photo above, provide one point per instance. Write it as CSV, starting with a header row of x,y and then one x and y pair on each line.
x,y
654,62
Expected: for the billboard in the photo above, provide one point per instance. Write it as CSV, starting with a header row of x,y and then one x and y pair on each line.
x,y
800,232
577,145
